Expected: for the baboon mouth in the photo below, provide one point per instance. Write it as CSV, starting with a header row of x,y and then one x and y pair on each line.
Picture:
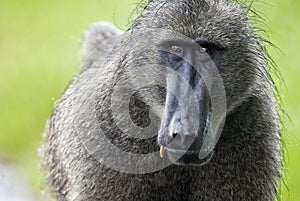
x,y
193,154
187,157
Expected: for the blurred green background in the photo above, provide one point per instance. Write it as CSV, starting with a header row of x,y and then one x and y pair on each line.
x,y
39,54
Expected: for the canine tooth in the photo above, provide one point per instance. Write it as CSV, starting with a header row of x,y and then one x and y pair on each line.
x,y
162,151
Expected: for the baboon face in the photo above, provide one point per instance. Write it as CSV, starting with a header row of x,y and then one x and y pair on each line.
x,y
200,36
187,115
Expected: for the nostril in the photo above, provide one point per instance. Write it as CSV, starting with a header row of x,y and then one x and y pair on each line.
x,y
181,141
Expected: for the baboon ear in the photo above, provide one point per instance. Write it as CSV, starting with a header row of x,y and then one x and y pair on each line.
x,y
98,40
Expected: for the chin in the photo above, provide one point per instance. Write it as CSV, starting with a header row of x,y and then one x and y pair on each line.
x,y
187,157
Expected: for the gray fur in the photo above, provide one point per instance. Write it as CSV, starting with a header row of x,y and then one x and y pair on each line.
x,y
246,165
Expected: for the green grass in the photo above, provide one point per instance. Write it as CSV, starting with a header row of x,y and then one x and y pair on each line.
x,y
39,47
39,55
284,20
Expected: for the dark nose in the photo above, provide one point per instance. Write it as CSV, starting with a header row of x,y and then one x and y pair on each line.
x,y
181,141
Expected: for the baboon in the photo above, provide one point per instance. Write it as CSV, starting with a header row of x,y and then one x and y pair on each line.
x,y
172,46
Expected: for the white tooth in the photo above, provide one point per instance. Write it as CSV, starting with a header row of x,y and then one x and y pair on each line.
x,y
162,151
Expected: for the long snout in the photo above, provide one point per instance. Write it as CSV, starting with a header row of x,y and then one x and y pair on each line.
x,y
185,115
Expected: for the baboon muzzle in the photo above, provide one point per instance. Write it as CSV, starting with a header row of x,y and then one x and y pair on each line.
x,y
187,106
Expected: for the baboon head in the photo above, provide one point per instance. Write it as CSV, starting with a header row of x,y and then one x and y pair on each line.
x,y
190,63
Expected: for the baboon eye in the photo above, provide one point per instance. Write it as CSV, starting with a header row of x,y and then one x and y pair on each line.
x,y
203,50
176,49
177,53
207,47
